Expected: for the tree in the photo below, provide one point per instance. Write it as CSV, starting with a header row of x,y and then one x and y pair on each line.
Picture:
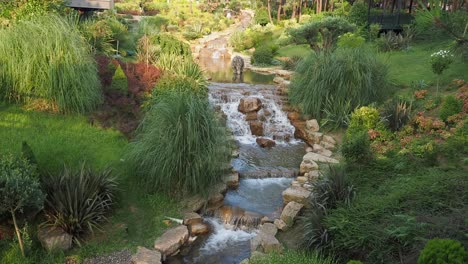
x,y
322,34
19,189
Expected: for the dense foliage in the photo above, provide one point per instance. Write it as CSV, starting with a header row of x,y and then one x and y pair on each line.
x,y
62,72
78,201
19,189
322,34
329,86
180,146
443,251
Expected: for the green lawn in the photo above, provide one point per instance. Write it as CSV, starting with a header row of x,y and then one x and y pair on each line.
x,y
58,139
414,65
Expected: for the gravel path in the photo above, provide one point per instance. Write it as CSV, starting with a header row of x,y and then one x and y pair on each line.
x,y
118,257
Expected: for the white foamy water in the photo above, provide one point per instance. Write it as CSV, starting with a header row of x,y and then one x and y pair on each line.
x,y
227,96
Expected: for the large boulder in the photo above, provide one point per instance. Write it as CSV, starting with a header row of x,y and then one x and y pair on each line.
x,y
265,142
315,157
269,229
53,238
249,104
170,242
146,256
290,211
296,194
256,128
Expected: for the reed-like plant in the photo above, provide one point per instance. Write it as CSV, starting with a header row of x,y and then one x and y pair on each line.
x,y
328,84
47,59
78,201
180,146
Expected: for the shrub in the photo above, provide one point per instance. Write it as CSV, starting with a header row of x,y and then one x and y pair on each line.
x,y
119,81
78,201
393,41
180,146
350,40
443,251
27,153
240,41
358,13
103,33
356,147
291,63
363,119
261,17
330,85
396,114
61,70
170,45
451,106
263,55
19,189
322,34
354,262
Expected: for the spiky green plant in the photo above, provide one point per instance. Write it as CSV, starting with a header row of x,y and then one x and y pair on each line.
x,y
78,201
396,114
181,84
48,59
330,85
180,145
332,189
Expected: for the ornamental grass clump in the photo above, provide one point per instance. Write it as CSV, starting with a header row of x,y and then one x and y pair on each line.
x,y
48,60
180,146
329,85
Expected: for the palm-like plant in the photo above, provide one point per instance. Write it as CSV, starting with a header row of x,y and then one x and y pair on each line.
x,y
78,201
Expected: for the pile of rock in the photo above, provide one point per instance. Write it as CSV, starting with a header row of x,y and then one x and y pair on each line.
x,y
192,225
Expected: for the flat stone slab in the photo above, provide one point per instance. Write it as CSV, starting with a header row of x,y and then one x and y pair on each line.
x,y
171,240
311,156
146,256
290,211
296,194
192,218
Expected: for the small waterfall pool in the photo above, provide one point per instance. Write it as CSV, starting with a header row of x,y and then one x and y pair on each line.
x,y
265,172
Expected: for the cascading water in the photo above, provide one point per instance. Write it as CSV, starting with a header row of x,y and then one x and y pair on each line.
x,y
275,122
258,195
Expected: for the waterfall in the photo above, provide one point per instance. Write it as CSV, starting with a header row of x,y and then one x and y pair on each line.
x,y
276,125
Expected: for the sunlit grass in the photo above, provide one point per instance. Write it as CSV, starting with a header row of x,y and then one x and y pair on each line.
x,y
58,139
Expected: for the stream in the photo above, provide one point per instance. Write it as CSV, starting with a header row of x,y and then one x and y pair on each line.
x,y
264,172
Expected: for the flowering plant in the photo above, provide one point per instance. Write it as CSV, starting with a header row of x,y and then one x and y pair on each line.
x,y
440,61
